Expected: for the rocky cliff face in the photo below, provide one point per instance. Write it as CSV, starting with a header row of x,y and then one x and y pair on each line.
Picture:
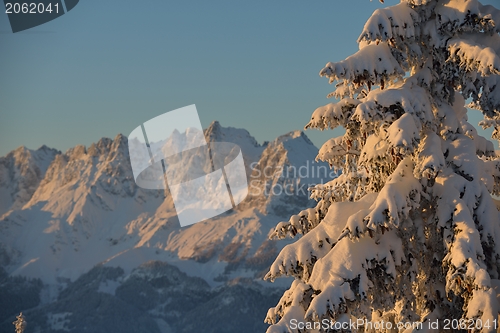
x,y
20,174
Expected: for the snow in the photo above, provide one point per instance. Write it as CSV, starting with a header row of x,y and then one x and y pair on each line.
x,y
398,197
431,156
453,13
334,151
295,259
403,135
482,305
293,300
332,115
474,56
397,21
345,262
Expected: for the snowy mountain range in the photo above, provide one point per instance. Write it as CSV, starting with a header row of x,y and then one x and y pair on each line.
x,y
75,229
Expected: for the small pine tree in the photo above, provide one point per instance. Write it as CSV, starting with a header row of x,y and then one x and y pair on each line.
x,y
409,232
20,323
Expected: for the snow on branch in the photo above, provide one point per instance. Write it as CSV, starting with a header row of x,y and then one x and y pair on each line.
x,y
465,249
332,115
488,122
290,306
397,198
459,15
343,274
484,147
374,64
488,100
474,57
430,161
403,135
462,158
417,2
490,232
491,13
385,24
300,223
336,151
483,306
491,176
374,151
335,190
331,302
382,107
379,107
343,188
298,259
464,261
345,89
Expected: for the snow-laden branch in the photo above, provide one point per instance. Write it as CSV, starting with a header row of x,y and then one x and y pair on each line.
x,y
487,99
491,176
373,63
385,106
418,2
379,107
466,271
290,306
386,24
458,16
332,115
430,157
300,223
298,259
397,198
343,274
473,56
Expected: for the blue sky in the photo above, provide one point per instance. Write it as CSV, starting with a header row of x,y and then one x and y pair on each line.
x,y
108,66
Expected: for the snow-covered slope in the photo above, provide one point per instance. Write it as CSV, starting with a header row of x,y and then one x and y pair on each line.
x,y
85,209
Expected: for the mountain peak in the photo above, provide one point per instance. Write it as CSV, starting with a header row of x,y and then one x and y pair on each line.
x,y
21,149
251,149
21,171
120,142
297,134
214,131
120,138
76,151
107,145
46,148
214,125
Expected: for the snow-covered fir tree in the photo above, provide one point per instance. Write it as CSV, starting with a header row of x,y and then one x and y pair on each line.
x,y
409,232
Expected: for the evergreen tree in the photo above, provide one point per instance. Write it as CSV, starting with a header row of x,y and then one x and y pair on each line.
x,y
20,323
409,232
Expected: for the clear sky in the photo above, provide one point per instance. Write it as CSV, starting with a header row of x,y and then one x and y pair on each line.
x,y
109,65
